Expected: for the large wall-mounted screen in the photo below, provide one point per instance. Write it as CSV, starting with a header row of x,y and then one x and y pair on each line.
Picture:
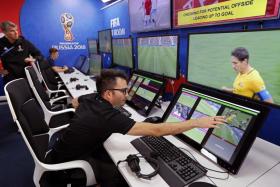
x,y
122,52
149,15
105,41
159,55
210,61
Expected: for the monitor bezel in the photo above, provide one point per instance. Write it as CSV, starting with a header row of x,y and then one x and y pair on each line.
x,y
78,68
105,30
148,30
97,47
85,61
177,56
133,62
100,62
248,139
223,32
140,110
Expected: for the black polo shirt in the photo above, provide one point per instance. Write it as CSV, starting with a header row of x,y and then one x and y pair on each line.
x,y
95,120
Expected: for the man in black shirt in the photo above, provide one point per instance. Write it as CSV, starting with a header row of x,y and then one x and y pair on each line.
x,y
51,59
96,119
15,52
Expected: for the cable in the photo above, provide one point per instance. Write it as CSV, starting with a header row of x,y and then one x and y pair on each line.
x,y
208,169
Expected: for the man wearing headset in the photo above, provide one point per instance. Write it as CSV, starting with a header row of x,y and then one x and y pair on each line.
x,y
96,119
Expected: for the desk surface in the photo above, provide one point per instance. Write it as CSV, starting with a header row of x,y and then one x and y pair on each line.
x,y
82,80
260,168
262,157
271,177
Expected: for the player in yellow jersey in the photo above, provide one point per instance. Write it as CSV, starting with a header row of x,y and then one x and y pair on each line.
x,y
248,82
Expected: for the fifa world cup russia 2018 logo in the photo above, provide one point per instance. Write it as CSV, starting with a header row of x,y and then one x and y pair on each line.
x,y
67,21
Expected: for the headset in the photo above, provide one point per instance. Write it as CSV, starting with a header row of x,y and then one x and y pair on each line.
x,y
78,87
133,163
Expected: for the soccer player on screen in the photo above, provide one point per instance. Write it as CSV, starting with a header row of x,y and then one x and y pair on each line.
x,y
248,82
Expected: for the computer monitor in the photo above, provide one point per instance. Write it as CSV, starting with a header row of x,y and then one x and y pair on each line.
x,y
149,15
229,144
144,91
122,52
79,61
159,55
209,58
95,65
85,67
105,41
92,46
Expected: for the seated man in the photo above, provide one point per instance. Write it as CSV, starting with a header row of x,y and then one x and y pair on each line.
x,y
96,119
53,55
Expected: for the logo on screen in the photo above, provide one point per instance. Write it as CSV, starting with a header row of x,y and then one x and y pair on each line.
x,y
67,21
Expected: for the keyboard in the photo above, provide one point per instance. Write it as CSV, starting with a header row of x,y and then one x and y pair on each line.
x,y
176,168
70,70
124,111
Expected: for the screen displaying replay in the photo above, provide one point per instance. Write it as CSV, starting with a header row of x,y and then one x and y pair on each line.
x,y
92,46
224,142
95,65
122,52
143,92
158,55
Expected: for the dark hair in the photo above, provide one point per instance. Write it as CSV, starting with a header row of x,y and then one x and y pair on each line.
x,y
5,24
52,50
240,53
107,79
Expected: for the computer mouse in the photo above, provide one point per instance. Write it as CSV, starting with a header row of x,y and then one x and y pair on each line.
x,y
201,184
154,119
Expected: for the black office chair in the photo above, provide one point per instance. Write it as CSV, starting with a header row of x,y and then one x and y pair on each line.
x,y
50,92
52,116
36,133
50,79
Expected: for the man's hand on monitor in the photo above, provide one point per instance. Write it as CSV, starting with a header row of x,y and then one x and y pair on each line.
x,y
210,122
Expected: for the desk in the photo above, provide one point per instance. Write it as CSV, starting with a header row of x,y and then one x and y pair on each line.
x,y
82,80
261,158
271,177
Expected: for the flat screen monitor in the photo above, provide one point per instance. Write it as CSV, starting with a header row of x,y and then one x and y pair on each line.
x,y
209,58
105,41
149,15
159,55
85,67
79,61
92,46
122,52
144,91
95,65
229,144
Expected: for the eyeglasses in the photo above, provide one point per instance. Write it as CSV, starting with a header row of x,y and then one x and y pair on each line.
x,y
123,90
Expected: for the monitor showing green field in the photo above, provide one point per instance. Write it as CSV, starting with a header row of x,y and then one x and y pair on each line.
x,y
158,55
105,41
95,65
92,46
209,58
122,52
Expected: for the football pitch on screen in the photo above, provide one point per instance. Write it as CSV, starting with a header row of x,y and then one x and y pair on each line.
x,y
123,56
210,58
160,60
